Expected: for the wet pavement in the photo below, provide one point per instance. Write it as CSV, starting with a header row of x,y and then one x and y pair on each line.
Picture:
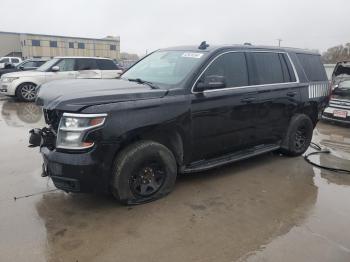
x,y
270,208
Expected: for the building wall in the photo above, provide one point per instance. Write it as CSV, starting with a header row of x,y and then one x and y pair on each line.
x,y
10,42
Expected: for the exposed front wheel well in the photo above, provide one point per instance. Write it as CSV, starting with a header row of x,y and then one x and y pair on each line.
x,y
170,139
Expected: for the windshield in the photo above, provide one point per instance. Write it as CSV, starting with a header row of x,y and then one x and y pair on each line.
x,y
47,65
164,67
20,64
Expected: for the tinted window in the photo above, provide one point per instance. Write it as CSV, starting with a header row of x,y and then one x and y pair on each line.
x,y
15,60
29,64
232,66
81,45
105,64
71,45
86,64
313,67
35,42
66,64
39,63
268,69
53,43
113,47
5,60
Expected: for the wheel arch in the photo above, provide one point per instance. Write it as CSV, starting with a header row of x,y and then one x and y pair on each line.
x,y
24,82
171,138
311,110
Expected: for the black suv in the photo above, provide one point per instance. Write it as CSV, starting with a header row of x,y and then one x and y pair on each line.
x,y
178,110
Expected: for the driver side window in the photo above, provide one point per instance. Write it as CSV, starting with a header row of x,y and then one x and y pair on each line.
x,y
231,66
66,65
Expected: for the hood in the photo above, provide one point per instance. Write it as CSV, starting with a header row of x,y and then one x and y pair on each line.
x,y
25,74
73,95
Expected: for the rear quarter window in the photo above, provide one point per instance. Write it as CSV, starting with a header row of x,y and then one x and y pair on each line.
x,y
104,64
313,67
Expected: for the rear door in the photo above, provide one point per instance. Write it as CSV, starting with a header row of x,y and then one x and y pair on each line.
x,y
223,120
108,68
278,94
87,68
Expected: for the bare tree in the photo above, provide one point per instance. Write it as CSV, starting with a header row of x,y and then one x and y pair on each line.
x,y
336,54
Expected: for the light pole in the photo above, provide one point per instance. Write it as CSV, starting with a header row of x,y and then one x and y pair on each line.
x,y
279,42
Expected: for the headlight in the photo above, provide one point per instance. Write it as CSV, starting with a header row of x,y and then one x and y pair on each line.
x,y
8,79
73,127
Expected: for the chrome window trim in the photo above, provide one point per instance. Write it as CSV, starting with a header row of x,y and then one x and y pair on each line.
x,y
240,87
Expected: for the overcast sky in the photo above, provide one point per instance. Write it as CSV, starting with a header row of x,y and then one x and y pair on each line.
x,y
151,24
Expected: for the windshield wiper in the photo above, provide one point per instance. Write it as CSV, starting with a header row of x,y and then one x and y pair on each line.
x,y
140,81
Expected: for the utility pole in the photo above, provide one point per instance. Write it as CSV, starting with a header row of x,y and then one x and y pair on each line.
x,y
279,42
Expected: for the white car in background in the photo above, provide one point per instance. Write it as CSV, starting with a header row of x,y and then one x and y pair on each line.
x,y
9,60
23,84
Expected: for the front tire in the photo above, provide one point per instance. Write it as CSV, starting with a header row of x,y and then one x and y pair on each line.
x,y
26,92
298,136
143,172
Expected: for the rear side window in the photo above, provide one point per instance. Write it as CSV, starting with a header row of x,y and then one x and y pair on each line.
x,y
105,64
29,64
39,63
15,60
267,69
313,67
86,64
232,66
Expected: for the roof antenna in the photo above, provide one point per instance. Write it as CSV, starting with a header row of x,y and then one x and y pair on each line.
x,y
203,45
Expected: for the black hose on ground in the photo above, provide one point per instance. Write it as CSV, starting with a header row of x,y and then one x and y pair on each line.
x,y
320,151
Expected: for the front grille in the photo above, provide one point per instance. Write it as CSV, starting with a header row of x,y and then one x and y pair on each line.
x,y
340,103
52,118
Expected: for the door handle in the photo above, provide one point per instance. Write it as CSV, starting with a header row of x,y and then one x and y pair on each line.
x,y
291,94
248,99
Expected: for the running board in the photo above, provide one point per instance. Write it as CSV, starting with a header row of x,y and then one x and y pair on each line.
x,y
203,165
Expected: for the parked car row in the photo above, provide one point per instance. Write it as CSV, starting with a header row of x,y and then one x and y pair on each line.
x,y
23,84
26,65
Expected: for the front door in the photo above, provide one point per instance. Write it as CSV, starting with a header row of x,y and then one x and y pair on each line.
x,y
66,70
223,120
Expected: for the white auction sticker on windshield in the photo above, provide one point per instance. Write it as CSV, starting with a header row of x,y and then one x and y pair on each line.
x,y
192,55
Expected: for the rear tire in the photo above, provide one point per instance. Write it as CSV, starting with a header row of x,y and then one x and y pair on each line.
x,y
143,172
26,92
298,136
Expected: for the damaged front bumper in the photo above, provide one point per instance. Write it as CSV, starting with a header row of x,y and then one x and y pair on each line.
x,y
83,171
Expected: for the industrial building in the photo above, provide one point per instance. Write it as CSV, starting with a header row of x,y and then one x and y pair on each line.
x,y
27,45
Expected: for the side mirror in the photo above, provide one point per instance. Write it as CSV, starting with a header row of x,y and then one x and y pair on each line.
x,y
21,67
55,69
211,82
